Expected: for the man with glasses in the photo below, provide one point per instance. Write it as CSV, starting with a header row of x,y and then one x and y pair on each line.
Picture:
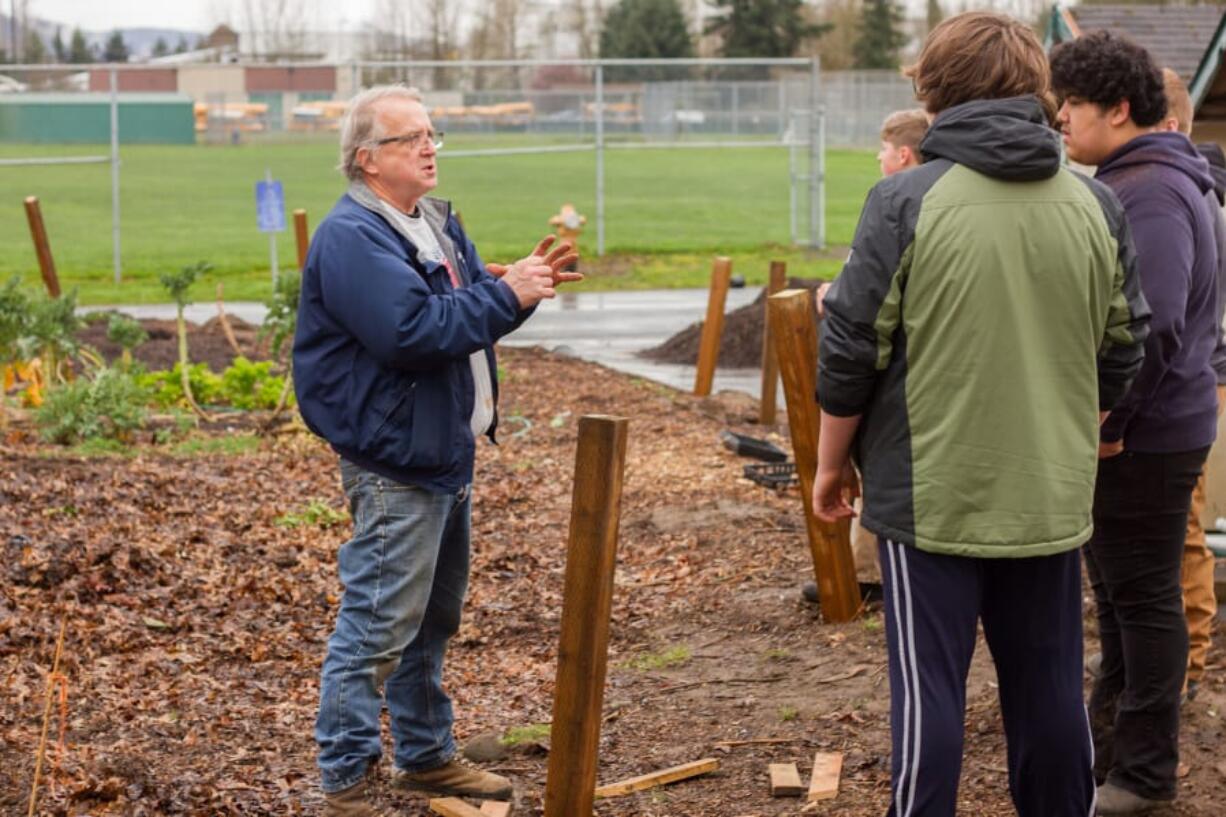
x,y
394,367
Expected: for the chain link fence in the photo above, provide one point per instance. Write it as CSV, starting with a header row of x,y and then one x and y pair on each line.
x,y
661,154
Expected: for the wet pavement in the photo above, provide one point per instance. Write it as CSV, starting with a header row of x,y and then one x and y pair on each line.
x,y
607,328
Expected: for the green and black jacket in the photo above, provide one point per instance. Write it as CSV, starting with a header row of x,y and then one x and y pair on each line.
x,y
989,309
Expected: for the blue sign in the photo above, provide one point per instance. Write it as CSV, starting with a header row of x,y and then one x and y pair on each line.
x,y
270,207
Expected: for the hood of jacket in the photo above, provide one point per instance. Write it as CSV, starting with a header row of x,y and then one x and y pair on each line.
x,y
1169,149
1213,154
1007,139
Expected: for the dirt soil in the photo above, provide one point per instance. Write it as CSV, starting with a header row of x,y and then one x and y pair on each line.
x,y
740,344
197,623
206,343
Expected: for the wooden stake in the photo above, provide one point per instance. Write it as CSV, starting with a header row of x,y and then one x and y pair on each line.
x,y
658,778
42,741
42,248
226,329
785,780
588,597
824,785
453,807
795,336
770,363
713,327
300,232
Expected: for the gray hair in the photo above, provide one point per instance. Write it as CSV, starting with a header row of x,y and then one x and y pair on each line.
x,y
360,127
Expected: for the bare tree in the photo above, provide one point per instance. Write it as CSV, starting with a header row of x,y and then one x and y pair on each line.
x,y
442,18
278,27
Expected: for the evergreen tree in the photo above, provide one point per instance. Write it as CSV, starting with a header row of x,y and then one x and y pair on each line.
x,y
880,38
761,28
57,47
78,49
35,49
182,47
116,50
935,14
647,29
160,48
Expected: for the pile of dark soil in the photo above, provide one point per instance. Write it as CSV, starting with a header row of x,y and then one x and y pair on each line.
x,y
740,346
205,343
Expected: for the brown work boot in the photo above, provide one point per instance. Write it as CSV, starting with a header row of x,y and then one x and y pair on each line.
x,y
456,780
354,801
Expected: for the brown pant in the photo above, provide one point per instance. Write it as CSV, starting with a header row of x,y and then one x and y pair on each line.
x,y
1199,602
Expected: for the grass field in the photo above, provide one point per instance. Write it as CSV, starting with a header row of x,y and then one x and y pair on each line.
x,y
667,211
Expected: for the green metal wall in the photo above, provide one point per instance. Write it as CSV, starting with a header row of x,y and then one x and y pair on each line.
x,y
86,118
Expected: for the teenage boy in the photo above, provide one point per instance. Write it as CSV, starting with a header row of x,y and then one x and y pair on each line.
x,y
1196,574
901,134
1154,443
987,316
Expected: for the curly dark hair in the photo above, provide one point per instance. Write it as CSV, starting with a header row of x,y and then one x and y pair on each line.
x,y
1105,69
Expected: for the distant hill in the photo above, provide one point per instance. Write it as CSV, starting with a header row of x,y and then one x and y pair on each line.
x,y
140,41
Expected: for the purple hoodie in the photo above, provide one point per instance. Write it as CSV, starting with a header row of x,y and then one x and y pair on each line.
x,y
1172,405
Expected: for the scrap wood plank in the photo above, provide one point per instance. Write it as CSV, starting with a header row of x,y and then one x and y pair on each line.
x,y
659,778
496,808
827,766
785,780
453,807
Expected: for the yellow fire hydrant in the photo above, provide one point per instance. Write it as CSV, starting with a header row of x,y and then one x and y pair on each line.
x,y
568,224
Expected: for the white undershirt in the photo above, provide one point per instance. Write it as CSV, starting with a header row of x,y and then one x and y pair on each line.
x,y
429,250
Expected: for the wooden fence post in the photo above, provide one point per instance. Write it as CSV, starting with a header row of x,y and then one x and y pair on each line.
x,y
38,232
300,233
588,598
713,327
770,362
793,322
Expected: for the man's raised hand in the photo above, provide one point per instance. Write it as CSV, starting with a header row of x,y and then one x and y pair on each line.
x,y
558,259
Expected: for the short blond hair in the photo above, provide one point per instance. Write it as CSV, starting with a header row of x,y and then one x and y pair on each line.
x,y
1178,100
360,128
905,129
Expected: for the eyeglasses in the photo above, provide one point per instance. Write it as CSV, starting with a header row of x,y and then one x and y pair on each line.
x,y
414,139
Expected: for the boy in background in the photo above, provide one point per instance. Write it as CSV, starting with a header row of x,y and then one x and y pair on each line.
x,y
901,134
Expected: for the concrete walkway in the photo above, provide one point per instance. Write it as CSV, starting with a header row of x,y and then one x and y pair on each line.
x,y
603,327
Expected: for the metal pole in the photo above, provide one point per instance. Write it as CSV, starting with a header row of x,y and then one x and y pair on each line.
x,y
791,134
821,177
115,174
355,78
599,160
813,156
272,238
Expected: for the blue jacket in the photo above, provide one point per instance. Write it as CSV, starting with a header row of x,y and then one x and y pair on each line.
x,y
1162,183
381,352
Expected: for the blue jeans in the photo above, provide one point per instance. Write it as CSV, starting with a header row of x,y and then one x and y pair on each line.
x,y
405,572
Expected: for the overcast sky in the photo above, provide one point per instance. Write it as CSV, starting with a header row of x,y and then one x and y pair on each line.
x,y
193,15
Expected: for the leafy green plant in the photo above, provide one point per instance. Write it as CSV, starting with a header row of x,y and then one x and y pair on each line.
x,y
177,285
317,513
166,386
246,385
788,713
110,406
50,334
280,324
14,316
128,333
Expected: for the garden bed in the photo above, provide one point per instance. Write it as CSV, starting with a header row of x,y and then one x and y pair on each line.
x,y
200,586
